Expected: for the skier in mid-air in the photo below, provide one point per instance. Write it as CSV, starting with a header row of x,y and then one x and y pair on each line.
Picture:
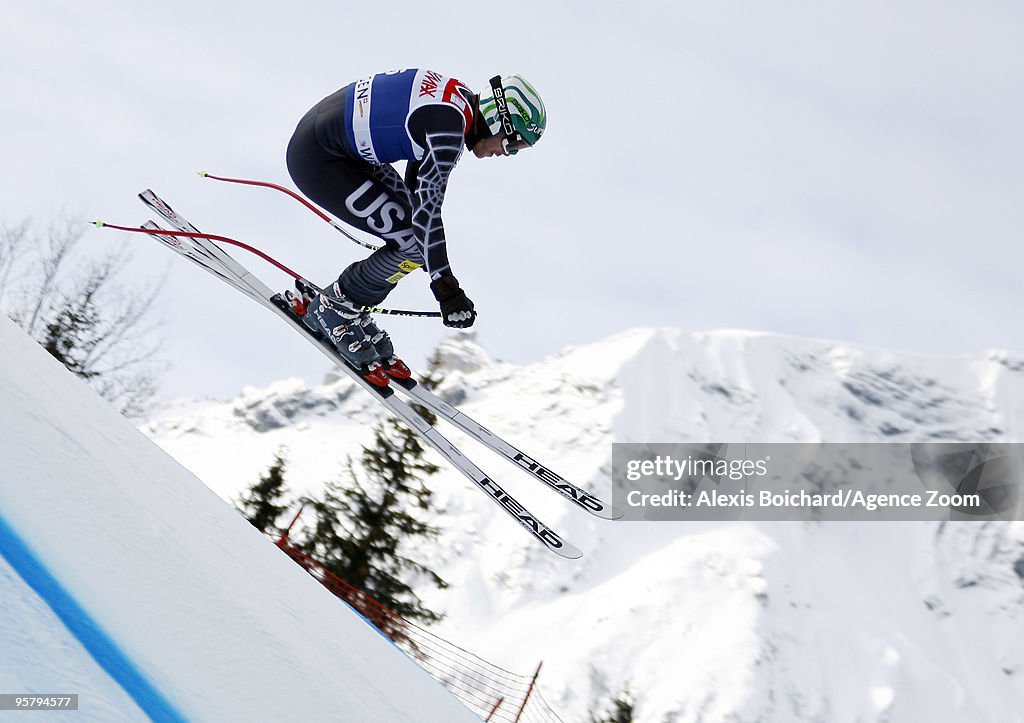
x,y
340,156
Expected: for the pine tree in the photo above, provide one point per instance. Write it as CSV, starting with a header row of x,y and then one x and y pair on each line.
x,y
622,709
259,504
433,376
363,528
69,335
74,305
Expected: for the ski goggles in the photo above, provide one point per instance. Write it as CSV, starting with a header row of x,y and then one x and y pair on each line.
x,y
514,141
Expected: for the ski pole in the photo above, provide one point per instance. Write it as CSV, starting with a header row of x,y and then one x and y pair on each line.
x,y
210,236
337,226
269,259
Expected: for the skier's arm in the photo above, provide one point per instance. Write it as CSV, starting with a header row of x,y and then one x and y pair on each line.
x,y
443,135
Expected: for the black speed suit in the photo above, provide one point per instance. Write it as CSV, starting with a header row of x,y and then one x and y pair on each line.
x,y
340,155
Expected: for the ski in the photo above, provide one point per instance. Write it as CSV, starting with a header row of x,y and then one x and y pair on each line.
x,y
576,495
212,258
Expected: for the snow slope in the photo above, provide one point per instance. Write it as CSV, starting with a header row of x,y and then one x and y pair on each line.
x,y
125,580
706,622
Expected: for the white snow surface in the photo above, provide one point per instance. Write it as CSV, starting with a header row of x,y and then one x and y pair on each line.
x,y
705,622
220,622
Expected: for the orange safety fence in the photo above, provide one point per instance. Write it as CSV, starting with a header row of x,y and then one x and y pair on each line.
x,y
492,692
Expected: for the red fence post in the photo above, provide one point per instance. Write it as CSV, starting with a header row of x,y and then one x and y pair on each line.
x,y
494,709
284,535
529,690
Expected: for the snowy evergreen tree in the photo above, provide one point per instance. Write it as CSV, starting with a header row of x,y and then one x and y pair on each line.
x,y
365,528
261,503
70,335
621,709
74,304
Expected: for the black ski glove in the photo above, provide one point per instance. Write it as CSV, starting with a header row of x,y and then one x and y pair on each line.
x,y
456,308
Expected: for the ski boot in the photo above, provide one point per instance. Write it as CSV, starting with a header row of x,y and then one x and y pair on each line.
x,y
392,365
337,319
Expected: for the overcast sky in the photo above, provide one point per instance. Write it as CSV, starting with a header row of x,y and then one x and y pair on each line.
x,y
852,171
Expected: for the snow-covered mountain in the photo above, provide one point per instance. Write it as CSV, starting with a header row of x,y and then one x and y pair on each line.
x,y
710,621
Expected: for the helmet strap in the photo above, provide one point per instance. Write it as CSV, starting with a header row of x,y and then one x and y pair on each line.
x,y
478,130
